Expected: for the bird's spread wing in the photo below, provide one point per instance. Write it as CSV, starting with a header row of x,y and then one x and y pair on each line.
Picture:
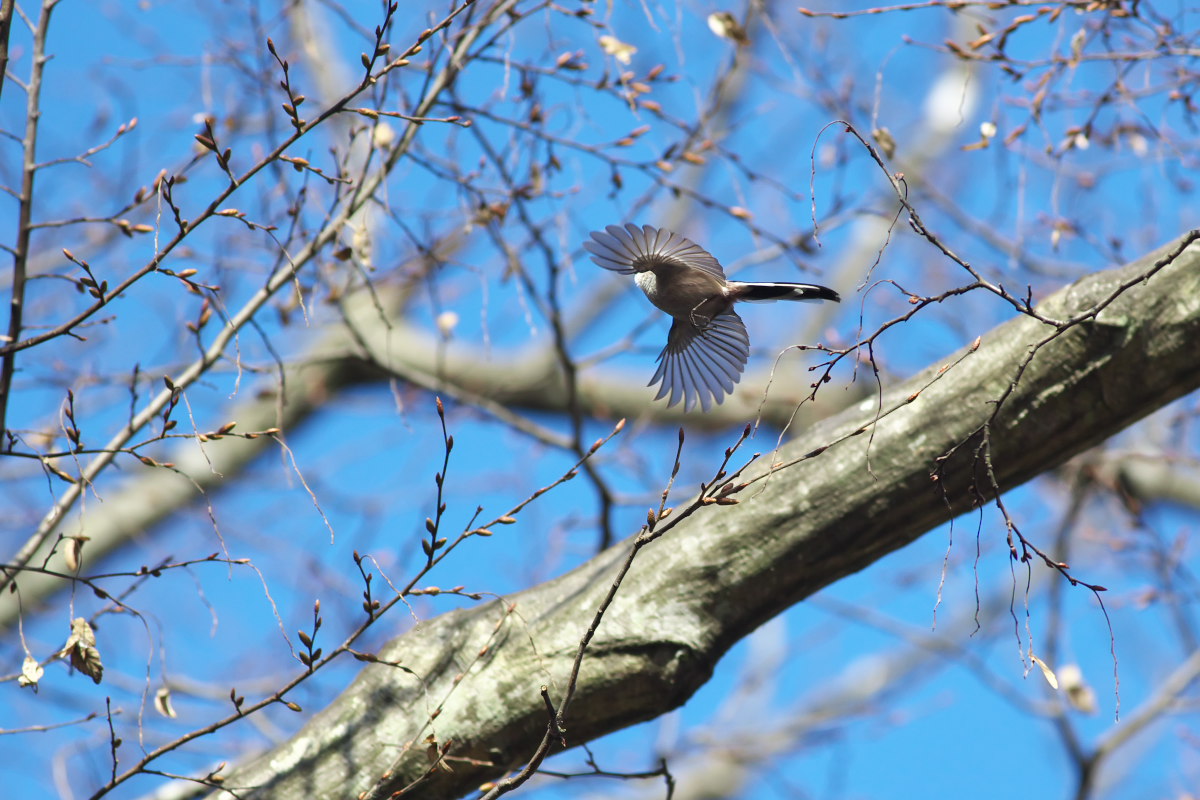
x,y
701,365
632,249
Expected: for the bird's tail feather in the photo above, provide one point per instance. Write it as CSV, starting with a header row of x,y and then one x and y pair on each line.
x,y
769,292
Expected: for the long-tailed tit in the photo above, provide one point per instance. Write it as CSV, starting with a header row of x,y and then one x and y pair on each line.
x,y
707,347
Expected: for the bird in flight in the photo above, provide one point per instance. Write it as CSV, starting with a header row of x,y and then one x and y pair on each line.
x,y
707,347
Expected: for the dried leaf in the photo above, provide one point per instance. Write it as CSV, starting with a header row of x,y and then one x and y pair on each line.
x,y
1047,673
617,49
31,672
81,649
1079,693
887,143
383,135
725,25
73,553
162,702
446,323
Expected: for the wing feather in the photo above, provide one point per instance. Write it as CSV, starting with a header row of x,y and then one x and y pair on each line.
x,y
701,366
631,249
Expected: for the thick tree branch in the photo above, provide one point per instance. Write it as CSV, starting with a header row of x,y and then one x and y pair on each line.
x,y
863,490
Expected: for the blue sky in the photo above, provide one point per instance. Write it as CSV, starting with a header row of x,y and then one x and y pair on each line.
x,y
369,458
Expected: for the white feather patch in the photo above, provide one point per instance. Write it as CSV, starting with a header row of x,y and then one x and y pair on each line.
x,y
647,283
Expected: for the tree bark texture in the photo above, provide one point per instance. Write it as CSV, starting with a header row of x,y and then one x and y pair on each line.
x,y
472,677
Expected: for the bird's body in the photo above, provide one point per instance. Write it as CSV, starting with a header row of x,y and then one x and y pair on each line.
x,y
707,347
672,290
